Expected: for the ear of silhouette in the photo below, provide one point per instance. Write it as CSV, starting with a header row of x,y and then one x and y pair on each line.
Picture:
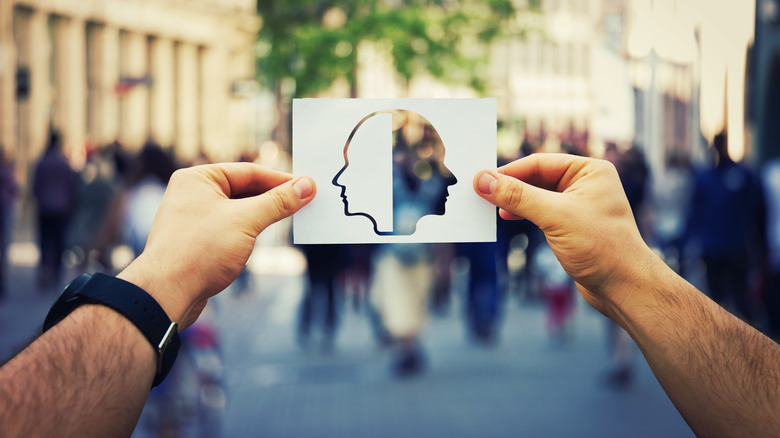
x,y
419,177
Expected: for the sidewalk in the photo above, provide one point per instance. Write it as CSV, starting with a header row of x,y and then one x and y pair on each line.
x,y
523,386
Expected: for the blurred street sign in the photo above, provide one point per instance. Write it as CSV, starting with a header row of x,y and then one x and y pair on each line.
x,y
126,84
245,88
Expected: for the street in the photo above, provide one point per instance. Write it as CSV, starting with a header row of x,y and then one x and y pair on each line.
x,y
525,385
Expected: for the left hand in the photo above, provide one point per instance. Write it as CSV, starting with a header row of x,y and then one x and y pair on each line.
x,y
205,231
580,205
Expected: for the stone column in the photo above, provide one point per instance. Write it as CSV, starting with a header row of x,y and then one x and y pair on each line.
x,y
215,88
7,78
134,126
103,68
40,99
242,104
162,103
187,98
71,85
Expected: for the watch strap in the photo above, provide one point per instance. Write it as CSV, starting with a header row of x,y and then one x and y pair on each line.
x,y
136,305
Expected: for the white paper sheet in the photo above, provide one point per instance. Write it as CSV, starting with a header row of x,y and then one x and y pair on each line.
x,y
347,147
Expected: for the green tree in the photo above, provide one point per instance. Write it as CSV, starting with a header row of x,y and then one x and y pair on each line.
x,y
305,45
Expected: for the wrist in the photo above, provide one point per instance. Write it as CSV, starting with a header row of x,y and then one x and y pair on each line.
x,y
647,301
129,300
633,294
160,287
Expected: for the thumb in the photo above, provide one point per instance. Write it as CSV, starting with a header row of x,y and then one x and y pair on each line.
x,y
517,199
283,200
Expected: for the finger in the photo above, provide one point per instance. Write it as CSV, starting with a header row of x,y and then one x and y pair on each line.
x,y
516,198
282,201
509,216
238,180
549,171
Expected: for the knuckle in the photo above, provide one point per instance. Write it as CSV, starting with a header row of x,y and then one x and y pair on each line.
x,y
180,175
606,167
513,196
282,204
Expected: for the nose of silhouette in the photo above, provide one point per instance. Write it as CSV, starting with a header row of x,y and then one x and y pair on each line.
x,y
448,176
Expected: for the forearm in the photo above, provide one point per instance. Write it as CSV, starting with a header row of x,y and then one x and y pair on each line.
x,y
88,376
721,374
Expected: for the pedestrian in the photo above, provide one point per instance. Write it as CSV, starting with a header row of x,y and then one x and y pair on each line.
x,y
54,188
321,297
557,290
149,175
93,224
402,280
671,201
483,297
724,225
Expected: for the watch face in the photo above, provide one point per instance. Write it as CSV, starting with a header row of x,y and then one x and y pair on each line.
x,y
66,302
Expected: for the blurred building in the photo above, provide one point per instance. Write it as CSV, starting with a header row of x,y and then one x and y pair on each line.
x,y
665,75
661,74
127,70
542,77
765,81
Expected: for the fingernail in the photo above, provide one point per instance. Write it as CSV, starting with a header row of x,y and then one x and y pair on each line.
x,y
303,188
487,183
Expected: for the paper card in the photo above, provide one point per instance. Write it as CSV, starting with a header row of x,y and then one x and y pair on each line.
x,y
394,170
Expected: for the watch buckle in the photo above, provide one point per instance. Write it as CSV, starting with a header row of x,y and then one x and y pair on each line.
x,y
163,345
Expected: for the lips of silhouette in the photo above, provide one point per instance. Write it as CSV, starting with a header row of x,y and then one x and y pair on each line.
x,y
440,209
344,198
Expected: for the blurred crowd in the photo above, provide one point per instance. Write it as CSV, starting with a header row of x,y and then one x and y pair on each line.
x,y
718,225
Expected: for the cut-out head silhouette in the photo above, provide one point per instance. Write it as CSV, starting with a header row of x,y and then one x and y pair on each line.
x,y
394,172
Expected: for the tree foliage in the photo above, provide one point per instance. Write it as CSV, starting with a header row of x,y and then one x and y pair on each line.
x,y
315,42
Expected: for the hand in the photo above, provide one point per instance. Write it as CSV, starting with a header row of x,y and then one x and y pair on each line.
x,y
580,206
205,230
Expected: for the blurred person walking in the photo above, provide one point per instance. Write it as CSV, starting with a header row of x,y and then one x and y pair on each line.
x,y
402,282
54,189
557,289
483,298
334,273
671,199
724,226
9,190
93,228
149,175
320,297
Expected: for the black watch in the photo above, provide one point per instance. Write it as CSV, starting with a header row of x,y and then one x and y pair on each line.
x,y
130,301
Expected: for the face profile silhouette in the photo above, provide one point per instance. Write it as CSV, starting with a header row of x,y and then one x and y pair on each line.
x,y
403,146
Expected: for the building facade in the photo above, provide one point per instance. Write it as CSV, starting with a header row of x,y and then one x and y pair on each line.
x,y
764,93
542,80
126,70
665,77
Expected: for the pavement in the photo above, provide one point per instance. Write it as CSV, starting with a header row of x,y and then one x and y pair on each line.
x,y
526,385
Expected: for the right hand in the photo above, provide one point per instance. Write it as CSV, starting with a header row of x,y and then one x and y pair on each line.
x,y
580,206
